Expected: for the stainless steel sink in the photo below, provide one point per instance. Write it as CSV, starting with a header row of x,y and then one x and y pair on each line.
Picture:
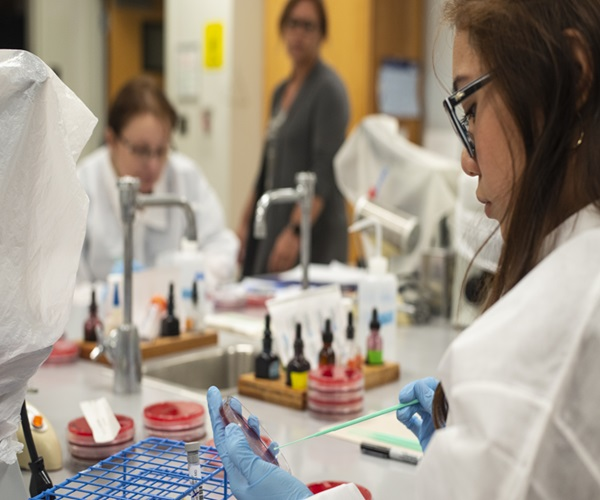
x,y
201,368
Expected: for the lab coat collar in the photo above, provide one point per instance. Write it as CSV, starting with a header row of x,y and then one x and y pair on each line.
x,y
584,220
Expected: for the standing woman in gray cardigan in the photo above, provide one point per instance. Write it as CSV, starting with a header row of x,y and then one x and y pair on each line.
x,y
309,116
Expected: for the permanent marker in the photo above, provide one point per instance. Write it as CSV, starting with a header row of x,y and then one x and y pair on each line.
x,y
390,453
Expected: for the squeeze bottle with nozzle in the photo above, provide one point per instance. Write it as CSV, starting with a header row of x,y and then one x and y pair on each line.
x,y
377,290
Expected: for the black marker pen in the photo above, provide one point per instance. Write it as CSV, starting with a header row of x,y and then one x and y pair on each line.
x,y
390,453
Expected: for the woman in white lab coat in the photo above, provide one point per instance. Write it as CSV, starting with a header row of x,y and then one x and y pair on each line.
x,y
520,386
138,139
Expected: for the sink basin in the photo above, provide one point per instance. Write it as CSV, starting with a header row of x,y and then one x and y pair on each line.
x,y
201,368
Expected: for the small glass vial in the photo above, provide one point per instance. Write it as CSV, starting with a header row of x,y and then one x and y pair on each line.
x,y
267,363
374,342
298,367
92,326
326,355
351,357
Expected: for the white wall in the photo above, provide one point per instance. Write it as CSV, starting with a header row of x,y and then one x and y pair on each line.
x,y
438,133
223,114
68,35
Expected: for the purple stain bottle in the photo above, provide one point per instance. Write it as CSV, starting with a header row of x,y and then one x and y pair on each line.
x,y
93,325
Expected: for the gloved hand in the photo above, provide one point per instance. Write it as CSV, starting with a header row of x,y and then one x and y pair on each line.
x,y
418,417
249,476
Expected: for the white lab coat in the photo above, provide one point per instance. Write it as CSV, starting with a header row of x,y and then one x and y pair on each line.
x,y
523,384
156,229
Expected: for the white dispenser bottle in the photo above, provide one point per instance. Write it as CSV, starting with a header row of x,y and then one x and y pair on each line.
x,y
377,290
189,263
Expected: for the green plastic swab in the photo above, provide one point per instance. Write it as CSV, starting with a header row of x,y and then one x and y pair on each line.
x,y
351,422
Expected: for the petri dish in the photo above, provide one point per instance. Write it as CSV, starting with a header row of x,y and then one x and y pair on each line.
x,y
177,420
233,412
83,447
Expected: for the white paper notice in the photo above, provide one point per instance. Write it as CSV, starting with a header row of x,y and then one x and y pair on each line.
x,y
101,419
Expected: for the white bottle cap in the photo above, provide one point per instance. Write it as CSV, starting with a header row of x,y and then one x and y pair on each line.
x,y
378,265
189,245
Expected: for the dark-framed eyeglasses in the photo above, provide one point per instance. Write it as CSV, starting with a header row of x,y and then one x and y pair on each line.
x,y
306,26
144,153
458,118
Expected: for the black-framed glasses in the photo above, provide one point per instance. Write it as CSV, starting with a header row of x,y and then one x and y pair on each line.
x,y
458,118
144,153
307,26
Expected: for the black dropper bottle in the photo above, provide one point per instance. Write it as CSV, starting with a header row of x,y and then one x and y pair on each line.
x,y
267,363
170,324
298,367
326,355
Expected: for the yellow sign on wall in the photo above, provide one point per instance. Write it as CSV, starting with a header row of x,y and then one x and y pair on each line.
x,y
213,46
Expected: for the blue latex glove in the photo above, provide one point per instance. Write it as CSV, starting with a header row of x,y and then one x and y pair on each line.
x,y
249,476
418,417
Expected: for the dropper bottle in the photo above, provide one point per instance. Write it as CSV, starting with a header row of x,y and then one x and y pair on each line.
x,y
352,357
267,364
114,318
326,355
92,325
298,367
170,323
374,342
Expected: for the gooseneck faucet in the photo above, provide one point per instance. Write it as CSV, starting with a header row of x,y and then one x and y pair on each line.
x,y
123,344
303,193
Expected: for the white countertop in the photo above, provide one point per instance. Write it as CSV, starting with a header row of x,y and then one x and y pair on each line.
x,y
58,390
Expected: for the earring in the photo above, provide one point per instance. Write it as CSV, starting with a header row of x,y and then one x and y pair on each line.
x,y
580,140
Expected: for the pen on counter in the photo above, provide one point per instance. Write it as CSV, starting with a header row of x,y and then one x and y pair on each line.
x,y
389,453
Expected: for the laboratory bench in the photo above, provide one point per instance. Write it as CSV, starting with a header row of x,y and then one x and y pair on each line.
x,y
56,391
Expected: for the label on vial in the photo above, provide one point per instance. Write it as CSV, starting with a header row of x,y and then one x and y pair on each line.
x,y
274,370
374,357
299,380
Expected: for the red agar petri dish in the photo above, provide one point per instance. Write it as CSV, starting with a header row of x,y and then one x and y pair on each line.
x,y
82,444
335,392
178,420
327,485
233,412
63,351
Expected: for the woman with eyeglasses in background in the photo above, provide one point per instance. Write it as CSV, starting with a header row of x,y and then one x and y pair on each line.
x,y
309,116
519,413
138,144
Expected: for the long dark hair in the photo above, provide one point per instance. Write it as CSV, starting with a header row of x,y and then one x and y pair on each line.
x,y
527,46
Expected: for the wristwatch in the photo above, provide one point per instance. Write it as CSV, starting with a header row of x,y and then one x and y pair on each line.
x,y
295,228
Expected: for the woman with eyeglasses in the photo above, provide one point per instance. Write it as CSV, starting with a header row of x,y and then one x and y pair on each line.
x,y
138,144
309,115
517,411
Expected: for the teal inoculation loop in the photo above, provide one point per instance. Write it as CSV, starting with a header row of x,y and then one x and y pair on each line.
x,y
351,422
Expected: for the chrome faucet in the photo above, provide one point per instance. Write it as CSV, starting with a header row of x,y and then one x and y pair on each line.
x,y
303,193
122,347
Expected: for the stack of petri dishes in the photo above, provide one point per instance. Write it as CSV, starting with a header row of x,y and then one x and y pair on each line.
x,y
177,420
335,392
83,447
